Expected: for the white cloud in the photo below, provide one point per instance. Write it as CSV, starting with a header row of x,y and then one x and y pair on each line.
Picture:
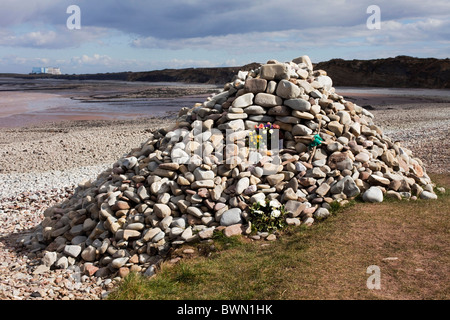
x,y
396,33
96,59
60,37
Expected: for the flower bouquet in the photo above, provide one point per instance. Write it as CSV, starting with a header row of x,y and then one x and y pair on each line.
x,y
267,216
261,137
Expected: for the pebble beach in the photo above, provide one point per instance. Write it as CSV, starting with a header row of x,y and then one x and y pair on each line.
x,y
40,165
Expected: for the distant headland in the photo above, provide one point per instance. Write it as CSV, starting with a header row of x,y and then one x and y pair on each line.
x,y
398,72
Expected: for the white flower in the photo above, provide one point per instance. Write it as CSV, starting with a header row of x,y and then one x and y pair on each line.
x,y
271,131
259,211
264,132
262,203
275,213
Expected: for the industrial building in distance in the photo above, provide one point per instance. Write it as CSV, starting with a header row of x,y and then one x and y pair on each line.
x,y
46,70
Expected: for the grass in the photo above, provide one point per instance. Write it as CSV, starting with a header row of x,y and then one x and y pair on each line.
x,y
328,260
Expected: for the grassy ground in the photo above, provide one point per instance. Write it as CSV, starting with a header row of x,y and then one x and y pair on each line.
x,y
408,241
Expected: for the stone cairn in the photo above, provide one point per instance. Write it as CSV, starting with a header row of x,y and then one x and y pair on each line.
x,y
176,188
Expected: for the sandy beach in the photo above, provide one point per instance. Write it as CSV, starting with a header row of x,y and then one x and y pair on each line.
x,y
41,163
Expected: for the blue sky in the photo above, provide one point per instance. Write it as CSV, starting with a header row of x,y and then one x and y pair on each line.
x,y
142,35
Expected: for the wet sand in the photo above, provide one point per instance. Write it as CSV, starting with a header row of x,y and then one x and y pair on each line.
x,y
24,103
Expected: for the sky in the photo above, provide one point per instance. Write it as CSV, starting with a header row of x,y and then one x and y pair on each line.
x,y
138,35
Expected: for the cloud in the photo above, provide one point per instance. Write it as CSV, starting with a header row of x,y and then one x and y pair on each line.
x,y
24,61
58,38
115,34
391,33
96,59
186,19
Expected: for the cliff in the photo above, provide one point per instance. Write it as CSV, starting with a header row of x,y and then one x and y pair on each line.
x,y
398,72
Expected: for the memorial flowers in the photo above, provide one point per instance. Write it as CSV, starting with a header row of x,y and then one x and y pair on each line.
x,y
267,215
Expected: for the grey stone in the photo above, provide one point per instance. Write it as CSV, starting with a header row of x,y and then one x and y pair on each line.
x,y
280,111
261,118
325,81
345,164
302,115
233,125
298,104
206,233
373,194
362,157
162,210
49,258
295,208
344,117
119,262
158,237
301,130
165,223
255,110
274,179
72,250
142,193
426,195
336,128
89,254
242,184
299,167
130,162
203,184
347,186
289,119
151,233
62,263
293,221
175,232
243,101
203,174
277,71
321,213
323,189
304,60
235,116
287,90
196,212
255,85
232,216
78,240
267,100
187,234
179,156
150,271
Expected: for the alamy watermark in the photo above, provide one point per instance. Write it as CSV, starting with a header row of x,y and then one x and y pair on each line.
x,y
374,280
74,20
374,20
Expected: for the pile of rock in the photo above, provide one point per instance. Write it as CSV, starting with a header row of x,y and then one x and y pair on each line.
x,y
185,183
